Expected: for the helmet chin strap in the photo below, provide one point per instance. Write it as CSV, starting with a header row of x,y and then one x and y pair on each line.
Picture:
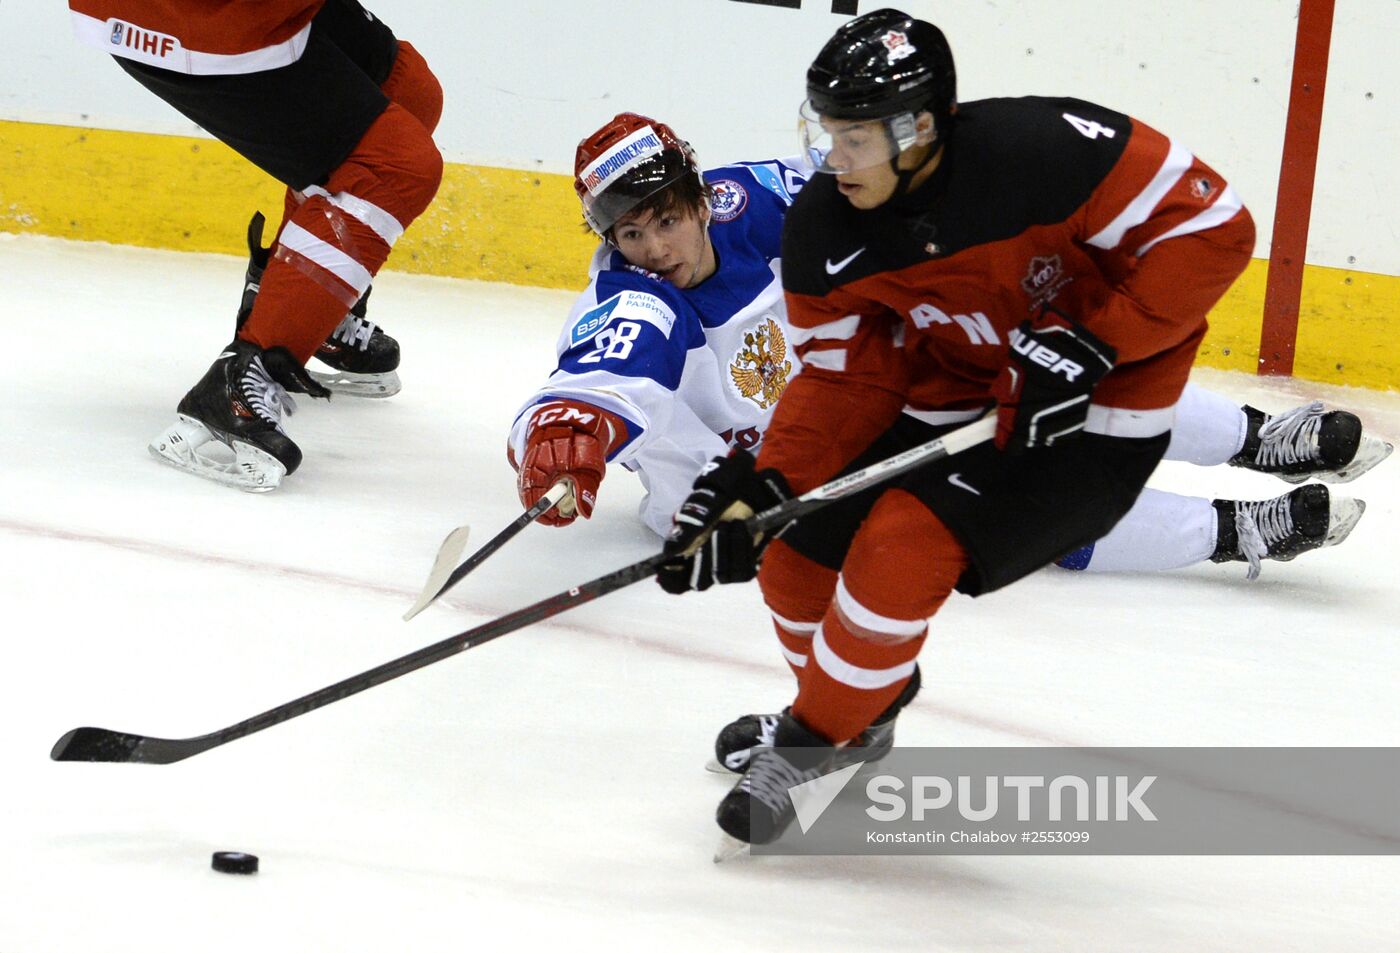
x,y
906,176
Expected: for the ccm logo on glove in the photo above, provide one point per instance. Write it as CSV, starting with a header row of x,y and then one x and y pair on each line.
x,y
563,414
567,440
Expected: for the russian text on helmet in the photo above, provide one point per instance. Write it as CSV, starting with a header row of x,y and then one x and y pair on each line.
x,y
602,171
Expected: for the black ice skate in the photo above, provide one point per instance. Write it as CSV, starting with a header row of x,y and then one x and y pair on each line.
x,y
1279,529
1308,442
230,426
361,360
738,739
759,808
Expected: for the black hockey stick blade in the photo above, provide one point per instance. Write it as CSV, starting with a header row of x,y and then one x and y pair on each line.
x,y
443,577
102,744
99,744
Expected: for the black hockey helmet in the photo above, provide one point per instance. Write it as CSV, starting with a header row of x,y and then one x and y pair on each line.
x,y
881,64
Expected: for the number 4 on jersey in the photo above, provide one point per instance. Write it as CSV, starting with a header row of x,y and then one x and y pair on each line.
x,y
1088,128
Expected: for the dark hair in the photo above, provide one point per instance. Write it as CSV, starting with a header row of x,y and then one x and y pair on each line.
x,y
687,194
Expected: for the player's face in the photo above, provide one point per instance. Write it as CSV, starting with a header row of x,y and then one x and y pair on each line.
x,y
867,188
861,152
674,244
860,156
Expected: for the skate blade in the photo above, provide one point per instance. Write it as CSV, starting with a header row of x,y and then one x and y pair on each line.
x,y
252,469
358,385
1371,452
1344,514
729,848
714,767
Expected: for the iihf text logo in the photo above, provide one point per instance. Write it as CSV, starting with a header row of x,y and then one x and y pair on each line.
x,y
143,41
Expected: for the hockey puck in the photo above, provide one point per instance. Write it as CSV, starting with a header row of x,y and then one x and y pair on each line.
x,y
234,862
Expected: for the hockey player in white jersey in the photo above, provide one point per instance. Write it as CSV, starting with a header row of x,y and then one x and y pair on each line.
x,y
679,348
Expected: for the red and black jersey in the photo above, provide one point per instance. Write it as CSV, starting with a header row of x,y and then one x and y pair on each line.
x,y
908,307
202,37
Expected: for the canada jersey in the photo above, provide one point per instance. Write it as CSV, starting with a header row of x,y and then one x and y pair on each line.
x,y
229,37
1035,202
691,372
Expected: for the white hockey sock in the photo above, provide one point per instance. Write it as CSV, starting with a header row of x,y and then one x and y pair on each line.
x,y
1209,428
1161,531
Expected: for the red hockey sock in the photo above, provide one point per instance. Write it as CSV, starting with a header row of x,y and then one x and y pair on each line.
x,y
849,681
900,568
797,591
335,242
413,86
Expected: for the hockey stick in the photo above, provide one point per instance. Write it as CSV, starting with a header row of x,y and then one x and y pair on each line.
x,y
443,577
102,744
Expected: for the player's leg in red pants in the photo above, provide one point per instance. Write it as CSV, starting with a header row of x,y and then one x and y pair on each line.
x,y
797,592
334,241
901,566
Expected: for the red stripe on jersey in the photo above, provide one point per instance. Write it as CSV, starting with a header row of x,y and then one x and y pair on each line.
x,y
395,167
1128,183
1196,190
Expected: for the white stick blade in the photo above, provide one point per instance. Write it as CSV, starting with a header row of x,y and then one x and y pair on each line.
x,y
449,554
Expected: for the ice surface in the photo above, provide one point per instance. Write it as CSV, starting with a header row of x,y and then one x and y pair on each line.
x,y
547,788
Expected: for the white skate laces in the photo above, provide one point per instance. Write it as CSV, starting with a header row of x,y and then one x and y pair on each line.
x,y
267,398
354,331
1291,437
1258,525
767,726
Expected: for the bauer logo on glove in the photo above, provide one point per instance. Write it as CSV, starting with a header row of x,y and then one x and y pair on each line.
x,y
1044,390
1037,353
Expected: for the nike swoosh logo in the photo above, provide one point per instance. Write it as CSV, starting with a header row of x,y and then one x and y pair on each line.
x,y
957,481
833,269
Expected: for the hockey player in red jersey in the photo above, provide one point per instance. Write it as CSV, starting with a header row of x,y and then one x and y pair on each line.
x,y
323,97
1048,258
617,405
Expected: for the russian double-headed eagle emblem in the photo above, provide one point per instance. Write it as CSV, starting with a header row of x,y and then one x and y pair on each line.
x,y
760,370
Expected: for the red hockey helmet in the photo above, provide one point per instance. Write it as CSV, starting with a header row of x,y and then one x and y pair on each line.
x,y
629,159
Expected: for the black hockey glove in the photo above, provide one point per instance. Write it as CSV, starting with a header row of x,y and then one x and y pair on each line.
x,y
708,542
1043,392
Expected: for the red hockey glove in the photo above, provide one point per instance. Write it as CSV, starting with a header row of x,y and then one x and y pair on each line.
x,y
708,542
569,440
1043,392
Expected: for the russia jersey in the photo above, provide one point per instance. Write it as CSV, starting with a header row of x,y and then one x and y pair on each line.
x,y
691,372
